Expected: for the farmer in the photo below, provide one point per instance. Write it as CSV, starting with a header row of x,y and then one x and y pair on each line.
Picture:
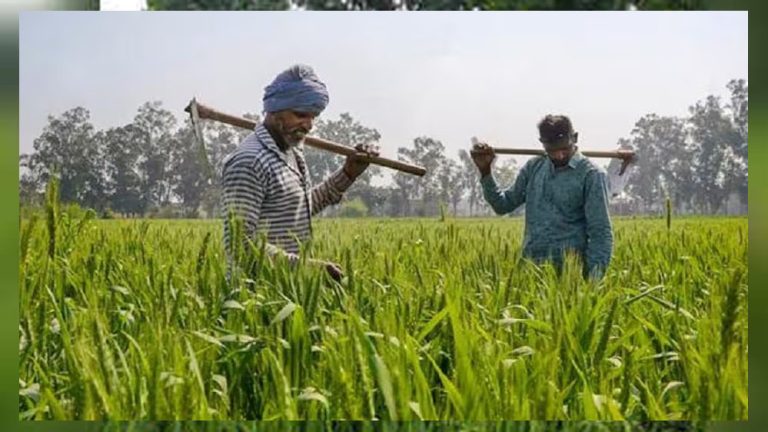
x,y
565,196
265,180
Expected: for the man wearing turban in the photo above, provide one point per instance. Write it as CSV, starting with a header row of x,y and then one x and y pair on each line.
x,y
565,196
265,181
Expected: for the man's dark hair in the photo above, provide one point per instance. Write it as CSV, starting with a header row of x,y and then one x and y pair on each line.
x,y
553,129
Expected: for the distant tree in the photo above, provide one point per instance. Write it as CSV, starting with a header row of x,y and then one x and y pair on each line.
x,y
500,4
449,178
188,170
218,4
712,136
470,179
664,166
68,149
155,128
697,161
321,164
506,172
122,178
30,189
739,113
430,154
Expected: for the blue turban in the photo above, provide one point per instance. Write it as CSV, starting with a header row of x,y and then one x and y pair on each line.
x,y
297,88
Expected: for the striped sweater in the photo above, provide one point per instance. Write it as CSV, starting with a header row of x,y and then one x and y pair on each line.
x,y
272,195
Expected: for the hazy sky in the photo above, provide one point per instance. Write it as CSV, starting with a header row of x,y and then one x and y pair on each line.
x,y
447,75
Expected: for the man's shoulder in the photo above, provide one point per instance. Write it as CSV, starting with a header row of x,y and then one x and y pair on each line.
x,y
590,167
252,143
250,151
535,162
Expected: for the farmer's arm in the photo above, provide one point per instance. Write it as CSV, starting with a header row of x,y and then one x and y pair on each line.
x,y
331,190
244,187
599,234
506,201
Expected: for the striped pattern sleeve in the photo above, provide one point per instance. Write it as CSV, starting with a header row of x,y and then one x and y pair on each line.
x,y
330,191
244,186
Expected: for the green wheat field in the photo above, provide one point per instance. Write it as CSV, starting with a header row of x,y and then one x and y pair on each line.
x,y
434,320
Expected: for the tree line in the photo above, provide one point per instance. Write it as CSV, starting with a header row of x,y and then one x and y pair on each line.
x,y
352,5
153,167
698,161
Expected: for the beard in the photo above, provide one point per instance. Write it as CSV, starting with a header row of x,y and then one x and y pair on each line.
x,y
561,163
293,137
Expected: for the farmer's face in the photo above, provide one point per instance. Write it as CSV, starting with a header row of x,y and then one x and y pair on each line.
x,y
293,125
560,153
561,156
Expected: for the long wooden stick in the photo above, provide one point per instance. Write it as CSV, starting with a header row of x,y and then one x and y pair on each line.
x,y
213,114
618,154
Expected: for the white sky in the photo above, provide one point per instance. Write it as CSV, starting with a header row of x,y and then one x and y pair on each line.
x,y
447,75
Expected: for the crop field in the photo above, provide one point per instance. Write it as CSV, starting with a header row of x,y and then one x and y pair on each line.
x,y
434,320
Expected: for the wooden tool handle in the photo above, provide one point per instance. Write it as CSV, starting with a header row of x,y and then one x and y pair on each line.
x,y
619,154
213,114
